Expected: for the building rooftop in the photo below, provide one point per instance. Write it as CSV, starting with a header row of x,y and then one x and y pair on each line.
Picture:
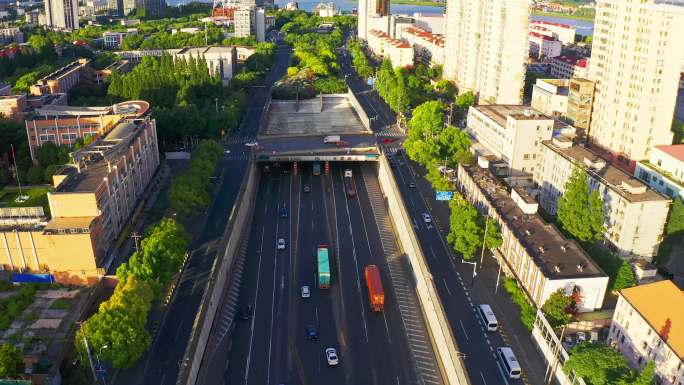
x,y
572,60
64,70
660,304
543,37
623,183
556,256
438,40
395,42
542,22
674,150
63,223
500,112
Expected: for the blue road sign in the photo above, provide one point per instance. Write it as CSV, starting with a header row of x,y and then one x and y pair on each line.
x,y
370,81
445,195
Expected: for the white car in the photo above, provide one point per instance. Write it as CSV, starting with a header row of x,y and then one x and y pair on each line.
x,y
331,356
251,144
226,152
281,244
426,218
306,292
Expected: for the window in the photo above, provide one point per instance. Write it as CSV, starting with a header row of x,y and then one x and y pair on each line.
x,y
69,136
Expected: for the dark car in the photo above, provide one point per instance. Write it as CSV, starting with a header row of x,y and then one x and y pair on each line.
x,y
311,333
283,212
412,184
307,188
246,312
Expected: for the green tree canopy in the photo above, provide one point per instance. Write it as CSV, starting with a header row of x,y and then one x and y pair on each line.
x,y
675,221
11,361
625,277
465,233
597,363
556,308
580,210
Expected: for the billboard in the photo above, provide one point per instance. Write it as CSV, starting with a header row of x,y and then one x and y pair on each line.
x,y
445,195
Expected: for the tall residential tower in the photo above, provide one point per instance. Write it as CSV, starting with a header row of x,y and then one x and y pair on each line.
x,y
61,14
486,48
636,59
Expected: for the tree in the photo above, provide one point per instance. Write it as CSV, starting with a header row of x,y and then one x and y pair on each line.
x,y
675,221
556,308
597,363
580,210
625,277
446,89
46,154
425,126
465,233
493,238
463,102
11,361
646,377
453,143
35,175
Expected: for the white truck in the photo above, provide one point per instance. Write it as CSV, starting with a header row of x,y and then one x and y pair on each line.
x,y
331,139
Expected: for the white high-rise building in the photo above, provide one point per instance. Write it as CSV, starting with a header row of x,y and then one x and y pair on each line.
x,y
250,21
486,48
636,59
61,14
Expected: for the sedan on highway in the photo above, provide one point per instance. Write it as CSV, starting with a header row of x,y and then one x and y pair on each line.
x,y
331,356
307,188
306,292
426,218
251,144
281,244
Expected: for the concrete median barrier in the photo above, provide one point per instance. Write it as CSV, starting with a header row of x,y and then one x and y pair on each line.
x,y
450,363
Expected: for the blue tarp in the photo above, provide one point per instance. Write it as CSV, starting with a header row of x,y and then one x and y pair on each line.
x,y
32,278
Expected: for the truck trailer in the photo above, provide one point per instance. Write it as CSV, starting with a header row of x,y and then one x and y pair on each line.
x,y
376,294
323,266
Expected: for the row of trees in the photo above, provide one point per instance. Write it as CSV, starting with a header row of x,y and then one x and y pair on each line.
x,y
120,322
189,192
598,364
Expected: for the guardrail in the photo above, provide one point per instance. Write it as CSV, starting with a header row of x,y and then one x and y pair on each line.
x,y
219,276
446,351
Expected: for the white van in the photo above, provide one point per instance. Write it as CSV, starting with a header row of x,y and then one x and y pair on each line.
x,y
487,316
331,139
508,362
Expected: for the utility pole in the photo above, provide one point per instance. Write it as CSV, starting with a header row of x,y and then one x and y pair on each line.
x,y
484,240
136,238
553,364
16,170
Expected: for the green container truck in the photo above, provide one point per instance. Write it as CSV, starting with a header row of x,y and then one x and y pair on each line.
x,y
323,266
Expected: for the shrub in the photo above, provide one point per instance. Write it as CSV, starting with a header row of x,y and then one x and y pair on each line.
x,y
527,312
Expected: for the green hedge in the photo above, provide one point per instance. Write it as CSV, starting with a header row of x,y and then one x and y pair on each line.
x,y
12,307
527,312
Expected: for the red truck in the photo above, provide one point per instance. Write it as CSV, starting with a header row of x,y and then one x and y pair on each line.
x,y
374,284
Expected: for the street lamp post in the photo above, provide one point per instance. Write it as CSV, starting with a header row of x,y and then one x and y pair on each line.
x,y
484,240
472,280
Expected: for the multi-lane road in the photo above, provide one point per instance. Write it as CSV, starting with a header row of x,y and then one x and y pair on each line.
x,y
271,347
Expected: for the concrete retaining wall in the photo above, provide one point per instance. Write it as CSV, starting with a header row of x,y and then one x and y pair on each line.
x,y
359,110
220,276
446,351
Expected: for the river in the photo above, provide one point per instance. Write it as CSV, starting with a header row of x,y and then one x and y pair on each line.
x,y
582,27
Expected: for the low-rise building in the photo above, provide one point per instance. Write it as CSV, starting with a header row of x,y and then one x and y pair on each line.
x,y
327,10
648,326
113,39
431,22
16,107
511,133
563,32
382,45
64,125
664,170
428,48
540,258
221,60
567,99
91,204
635,215
542,46
5,89
567,67
11,35
61,80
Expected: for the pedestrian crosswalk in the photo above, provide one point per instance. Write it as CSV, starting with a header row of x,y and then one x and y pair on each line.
x,y
425,371
390,133
238,156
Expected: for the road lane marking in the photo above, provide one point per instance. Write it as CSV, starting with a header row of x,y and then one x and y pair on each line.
x,y
464,331
316,311
446,286
273,304
386,327
483,380
175,339
434,256
256,304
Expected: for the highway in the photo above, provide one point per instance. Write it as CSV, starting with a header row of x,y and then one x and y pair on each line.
x,y
271,347
160,365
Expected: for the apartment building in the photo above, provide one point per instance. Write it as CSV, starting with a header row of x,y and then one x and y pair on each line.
x,y
382,45
11,35
61,14
61,80
636,59
91,204
563,32
64,125
543,46
664,170
487,47
434,23
250,21
635,215
567,67
648,326
510,133
428,48
567,99
533,251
